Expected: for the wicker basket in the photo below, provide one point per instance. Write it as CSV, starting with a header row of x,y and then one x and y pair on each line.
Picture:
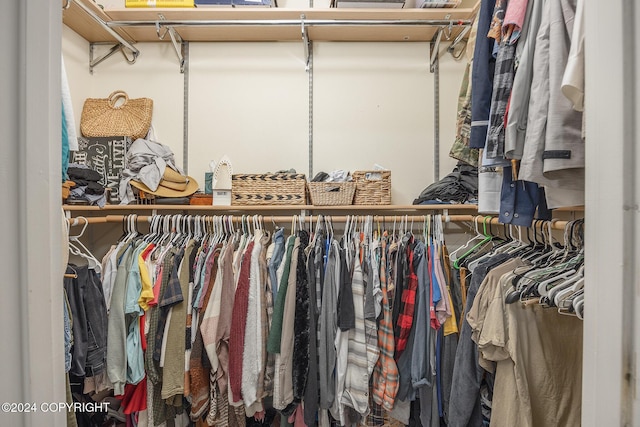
x,y
372,187
332,193
269,189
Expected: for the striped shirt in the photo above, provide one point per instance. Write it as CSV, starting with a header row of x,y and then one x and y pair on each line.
x,y
356,387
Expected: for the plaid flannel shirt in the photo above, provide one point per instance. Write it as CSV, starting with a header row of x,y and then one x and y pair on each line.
x,y
385,372
405,319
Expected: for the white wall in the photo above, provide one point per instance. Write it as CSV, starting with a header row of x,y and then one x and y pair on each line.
x,y
373,103
250,102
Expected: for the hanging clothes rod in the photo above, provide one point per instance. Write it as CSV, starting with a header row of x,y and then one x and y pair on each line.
x,y
479,219
292,22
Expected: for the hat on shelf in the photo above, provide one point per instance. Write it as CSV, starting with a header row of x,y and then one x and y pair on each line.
x,y
172,184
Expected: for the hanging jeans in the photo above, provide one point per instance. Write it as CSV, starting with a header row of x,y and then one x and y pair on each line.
x,y
89,314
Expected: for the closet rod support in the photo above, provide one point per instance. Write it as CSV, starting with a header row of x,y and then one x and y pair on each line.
x,y
435,49
176,40
458,39
305,42
122,43
94,61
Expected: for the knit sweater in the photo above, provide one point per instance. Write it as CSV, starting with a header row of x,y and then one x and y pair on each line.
x,y
238,325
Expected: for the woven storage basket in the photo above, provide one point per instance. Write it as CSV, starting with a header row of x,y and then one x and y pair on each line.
x,y
332,193
269,189
372,187
104,117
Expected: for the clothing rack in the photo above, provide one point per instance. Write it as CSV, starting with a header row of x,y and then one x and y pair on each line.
x,y
477,219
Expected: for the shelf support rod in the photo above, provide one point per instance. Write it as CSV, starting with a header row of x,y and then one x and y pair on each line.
x,y
122,43
305,42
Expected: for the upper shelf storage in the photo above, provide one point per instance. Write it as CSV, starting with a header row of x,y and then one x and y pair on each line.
x,y
271,24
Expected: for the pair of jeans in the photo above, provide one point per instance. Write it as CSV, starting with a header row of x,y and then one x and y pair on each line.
x,y
89,314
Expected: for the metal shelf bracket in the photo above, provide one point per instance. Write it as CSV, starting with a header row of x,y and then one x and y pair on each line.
x,y
305,42
118,47
122,45
434,48
176,40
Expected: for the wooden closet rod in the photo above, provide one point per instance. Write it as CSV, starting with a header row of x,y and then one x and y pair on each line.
x,y
479,219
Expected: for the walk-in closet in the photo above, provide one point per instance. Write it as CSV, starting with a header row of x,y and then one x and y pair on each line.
x,y
320,215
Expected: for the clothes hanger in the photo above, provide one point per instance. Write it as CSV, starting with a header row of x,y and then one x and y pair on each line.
x,y
76,247
543,287
561,292
149,237
467,245
486,239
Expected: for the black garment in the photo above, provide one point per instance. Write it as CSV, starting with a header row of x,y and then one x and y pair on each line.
x,y
456,293
89,312
302,326
402,272
346,312
320,177
447,365
464,405
459,186
83,174
87,178
87,418
312,390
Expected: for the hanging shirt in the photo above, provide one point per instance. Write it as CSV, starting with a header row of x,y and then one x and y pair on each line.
x,y
408,297
273,344
482,77
238,323
252,356
132,311
356,386
276,260
283,384
385,374
421,366
327,353
301,327
117,328
146,294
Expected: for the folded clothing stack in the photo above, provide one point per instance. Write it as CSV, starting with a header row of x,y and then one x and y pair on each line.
x,y
338,175
460,186
87,188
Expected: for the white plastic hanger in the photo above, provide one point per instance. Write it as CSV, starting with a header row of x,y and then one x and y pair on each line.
x,y
76,247
453,256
